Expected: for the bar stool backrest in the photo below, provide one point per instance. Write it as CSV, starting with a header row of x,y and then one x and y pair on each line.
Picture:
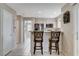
x,y
38,35
55,35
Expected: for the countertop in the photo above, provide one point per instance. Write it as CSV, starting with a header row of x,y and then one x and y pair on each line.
x,y
43,31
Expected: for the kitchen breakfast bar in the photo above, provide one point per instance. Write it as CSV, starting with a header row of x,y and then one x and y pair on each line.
x,y
46,37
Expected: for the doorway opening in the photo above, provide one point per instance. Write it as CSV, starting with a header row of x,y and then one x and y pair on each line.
x,y
27,35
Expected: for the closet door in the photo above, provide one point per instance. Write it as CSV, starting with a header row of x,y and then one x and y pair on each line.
x,y
76,29
1,41
7,31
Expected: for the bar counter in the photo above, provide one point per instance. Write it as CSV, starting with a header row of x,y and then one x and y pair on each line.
x,y
46,37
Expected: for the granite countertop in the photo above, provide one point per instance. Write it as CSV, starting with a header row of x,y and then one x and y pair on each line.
x,y
42,30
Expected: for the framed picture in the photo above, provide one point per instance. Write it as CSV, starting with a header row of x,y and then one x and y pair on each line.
x,y
66,17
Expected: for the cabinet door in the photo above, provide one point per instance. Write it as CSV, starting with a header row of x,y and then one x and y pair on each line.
x,y
36,26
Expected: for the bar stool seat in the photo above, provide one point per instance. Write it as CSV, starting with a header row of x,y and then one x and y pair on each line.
x,y
53,41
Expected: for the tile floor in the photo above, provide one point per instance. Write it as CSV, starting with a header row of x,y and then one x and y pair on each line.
x,y
38,53
22,51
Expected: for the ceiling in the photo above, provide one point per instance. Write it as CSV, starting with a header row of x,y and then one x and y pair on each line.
x,y
45,10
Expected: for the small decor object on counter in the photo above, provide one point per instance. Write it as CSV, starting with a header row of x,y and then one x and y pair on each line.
x,y
66,17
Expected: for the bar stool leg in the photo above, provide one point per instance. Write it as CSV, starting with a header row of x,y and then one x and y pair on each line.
x,y
50,47
41,48
34,47
58,49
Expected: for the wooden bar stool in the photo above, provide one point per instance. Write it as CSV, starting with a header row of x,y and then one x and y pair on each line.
x,y
38,38
55,35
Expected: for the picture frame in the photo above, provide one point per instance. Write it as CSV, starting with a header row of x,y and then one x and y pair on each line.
x,y
66,17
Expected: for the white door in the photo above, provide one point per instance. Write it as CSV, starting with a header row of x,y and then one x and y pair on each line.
x,y
7,31
76,28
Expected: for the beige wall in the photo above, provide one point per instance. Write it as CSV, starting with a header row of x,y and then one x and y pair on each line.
x,y
68,30
18,29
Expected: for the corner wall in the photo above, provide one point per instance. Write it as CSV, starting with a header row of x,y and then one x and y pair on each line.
x,y
68,30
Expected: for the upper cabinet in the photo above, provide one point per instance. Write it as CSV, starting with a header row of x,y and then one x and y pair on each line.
x,y
38,26
49,25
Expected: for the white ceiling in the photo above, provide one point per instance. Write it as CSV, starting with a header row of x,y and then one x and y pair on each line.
x,y
45,10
